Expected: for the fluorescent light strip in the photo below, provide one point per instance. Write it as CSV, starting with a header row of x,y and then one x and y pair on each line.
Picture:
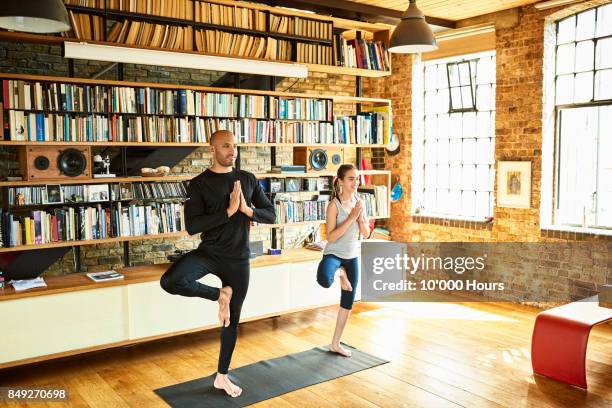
x,y
111,53
457,33
544,5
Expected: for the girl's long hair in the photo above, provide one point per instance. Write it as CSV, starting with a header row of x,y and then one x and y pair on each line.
x,y
342,170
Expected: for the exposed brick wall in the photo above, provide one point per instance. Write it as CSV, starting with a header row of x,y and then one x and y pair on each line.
x,y
398,88
518,137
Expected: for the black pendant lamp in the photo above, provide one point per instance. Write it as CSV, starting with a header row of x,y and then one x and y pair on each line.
x,y
412,34
34,16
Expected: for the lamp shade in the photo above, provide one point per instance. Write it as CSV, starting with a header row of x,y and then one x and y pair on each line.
x,y
412,34
34,16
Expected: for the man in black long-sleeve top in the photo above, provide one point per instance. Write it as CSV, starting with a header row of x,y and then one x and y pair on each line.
x,y
221,203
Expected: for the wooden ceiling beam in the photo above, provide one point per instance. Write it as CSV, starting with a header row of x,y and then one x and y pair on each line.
x,y
353,11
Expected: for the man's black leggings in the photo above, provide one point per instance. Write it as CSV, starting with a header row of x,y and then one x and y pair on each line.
x,y
182,279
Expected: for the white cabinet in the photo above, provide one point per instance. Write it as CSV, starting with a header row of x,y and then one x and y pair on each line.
x,y
269,291
153,311
42,325
305,290
72,321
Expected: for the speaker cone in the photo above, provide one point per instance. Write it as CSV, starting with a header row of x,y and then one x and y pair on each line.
x,y
318,159
41,163
336,159
71,162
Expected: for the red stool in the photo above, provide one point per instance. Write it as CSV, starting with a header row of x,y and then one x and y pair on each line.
x,y
559,342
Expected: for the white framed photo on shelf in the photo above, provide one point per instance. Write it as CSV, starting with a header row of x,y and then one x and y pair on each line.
x,y
514,184
126,192
97,193
53,194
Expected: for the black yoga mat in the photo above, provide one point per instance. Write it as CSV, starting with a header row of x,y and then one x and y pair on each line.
x,y
269,378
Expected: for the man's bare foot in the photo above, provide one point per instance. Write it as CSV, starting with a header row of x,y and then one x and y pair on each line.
x,y
222,382
225,295
337,348
345,284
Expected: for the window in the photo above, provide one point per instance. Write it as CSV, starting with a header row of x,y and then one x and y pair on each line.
x,y
583,101
453,149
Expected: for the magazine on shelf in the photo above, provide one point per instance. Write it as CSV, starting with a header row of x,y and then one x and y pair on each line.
x,y
104,276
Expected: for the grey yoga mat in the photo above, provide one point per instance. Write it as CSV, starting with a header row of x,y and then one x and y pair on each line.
x,y
269,378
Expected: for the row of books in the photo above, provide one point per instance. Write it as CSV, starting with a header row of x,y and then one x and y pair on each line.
x,y
18,94
86,27
86,3
152,218
78,193
230,16
252,131
301,27
288,211
360,54
221,42
186,102
151,35
41,127
364,128
314,54
376,200
90,223
301,108
61,224
280,50
181,9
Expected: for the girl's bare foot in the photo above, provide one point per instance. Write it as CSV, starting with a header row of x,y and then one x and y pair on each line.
x,y
337,348
345,284
222,382
225,295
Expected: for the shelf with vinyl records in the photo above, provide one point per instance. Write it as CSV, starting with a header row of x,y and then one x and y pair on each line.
x,y
48,110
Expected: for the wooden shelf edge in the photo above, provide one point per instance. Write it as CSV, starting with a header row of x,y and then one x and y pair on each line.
x,y
109,180
173,144
92,241
330,69
171,178
142,274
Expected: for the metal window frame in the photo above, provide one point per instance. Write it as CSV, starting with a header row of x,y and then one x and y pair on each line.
x,y
471,85
489,191
561,107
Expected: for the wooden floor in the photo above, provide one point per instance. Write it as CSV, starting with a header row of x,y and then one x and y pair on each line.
x,y
442,355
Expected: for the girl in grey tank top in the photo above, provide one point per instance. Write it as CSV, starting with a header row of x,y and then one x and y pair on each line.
x,y
346,222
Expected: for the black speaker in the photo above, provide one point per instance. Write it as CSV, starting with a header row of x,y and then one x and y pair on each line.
x,y
41,163
318,159
71,162
55,162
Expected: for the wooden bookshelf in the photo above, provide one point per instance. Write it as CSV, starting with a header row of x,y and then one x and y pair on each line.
x,y
197,122
320,30
88,81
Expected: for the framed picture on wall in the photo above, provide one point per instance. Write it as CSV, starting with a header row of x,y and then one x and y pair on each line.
x,y
514,184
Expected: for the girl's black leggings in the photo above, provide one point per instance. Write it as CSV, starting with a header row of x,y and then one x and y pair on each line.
x,y
182,279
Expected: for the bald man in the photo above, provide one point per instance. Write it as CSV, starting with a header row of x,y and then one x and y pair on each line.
x,y
221,203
